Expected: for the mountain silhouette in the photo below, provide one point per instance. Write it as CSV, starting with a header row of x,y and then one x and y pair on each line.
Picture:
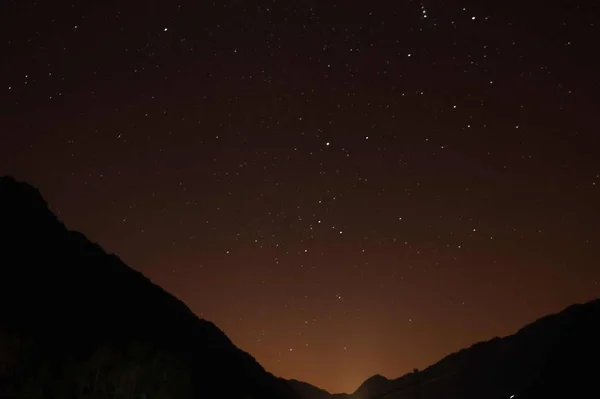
x,y
557,356
76,322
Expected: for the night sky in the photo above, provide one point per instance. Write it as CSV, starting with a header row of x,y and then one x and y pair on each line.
x,y
345,188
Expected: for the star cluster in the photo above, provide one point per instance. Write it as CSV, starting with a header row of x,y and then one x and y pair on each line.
x,y
344,188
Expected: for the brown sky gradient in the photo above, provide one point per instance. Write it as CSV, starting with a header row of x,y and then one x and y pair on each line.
x,y
344,189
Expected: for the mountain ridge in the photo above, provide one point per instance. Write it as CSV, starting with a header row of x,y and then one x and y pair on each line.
x,y
67,306
538,339
59,346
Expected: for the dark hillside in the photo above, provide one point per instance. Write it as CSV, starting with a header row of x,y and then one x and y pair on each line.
x,y
556,356
77,322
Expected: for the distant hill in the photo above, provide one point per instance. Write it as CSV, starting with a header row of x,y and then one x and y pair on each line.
x,y
76,322
557,356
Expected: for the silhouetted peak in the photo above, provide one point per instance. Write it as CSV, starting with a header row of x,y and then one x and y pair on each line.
x,y
20,195
536,362
376,379
72,299
30,226
22,205
373,386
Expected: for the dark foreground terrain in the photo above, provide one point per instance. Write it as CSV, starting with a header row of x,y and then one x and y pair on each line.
x,y
557,356
76,322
